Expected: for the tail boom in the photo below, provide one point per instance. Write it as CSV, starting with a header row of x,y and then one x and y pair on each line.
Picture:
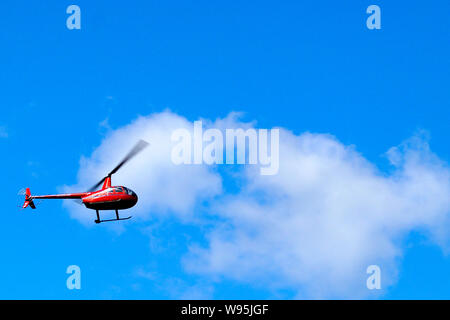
x,y
29,198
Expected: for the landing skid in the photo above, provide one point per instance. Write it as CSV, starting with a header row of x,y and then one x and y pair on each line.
x,y
108,220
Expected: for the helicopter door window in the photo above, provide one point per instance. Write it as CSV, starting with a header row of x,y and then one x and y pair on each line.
x,y
118,190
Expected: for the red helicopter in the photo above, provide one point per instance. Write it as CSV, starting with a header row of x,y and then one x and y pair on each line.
x,y
107,198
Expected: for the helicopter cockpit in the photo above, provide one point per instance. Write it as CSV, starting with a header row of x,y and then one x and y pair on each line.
x,y
129,191
122,190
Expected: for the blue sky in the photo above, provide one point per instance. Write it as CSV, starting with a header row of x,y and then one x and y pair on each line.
x,y
304,66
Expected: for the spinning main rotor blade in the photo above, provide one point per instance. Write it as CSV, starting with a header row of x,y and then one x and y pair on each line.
x,y
136,149
95,187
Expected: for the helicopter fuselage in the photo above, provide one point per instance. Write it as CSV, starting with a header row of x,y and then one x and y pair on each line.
x,y
107,198
113,198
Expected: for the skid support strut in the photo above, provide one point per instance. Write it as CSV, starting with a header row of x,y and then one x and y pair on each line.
x,y
108,220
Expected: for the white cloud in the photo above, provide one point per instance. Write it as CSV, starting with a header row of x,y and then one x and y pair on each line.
x,y
327,215
313,228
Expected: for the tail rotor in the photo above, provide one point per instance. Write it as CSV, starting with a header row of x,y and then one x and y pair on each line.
x,y
28,199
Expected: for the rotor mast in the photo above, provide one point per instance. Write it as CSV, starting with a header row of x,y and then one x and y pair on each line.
x,y
107,183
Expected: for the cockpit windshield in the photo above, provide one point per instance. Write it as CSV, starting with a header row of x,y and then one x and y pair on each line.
x,y
129,191
116,190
